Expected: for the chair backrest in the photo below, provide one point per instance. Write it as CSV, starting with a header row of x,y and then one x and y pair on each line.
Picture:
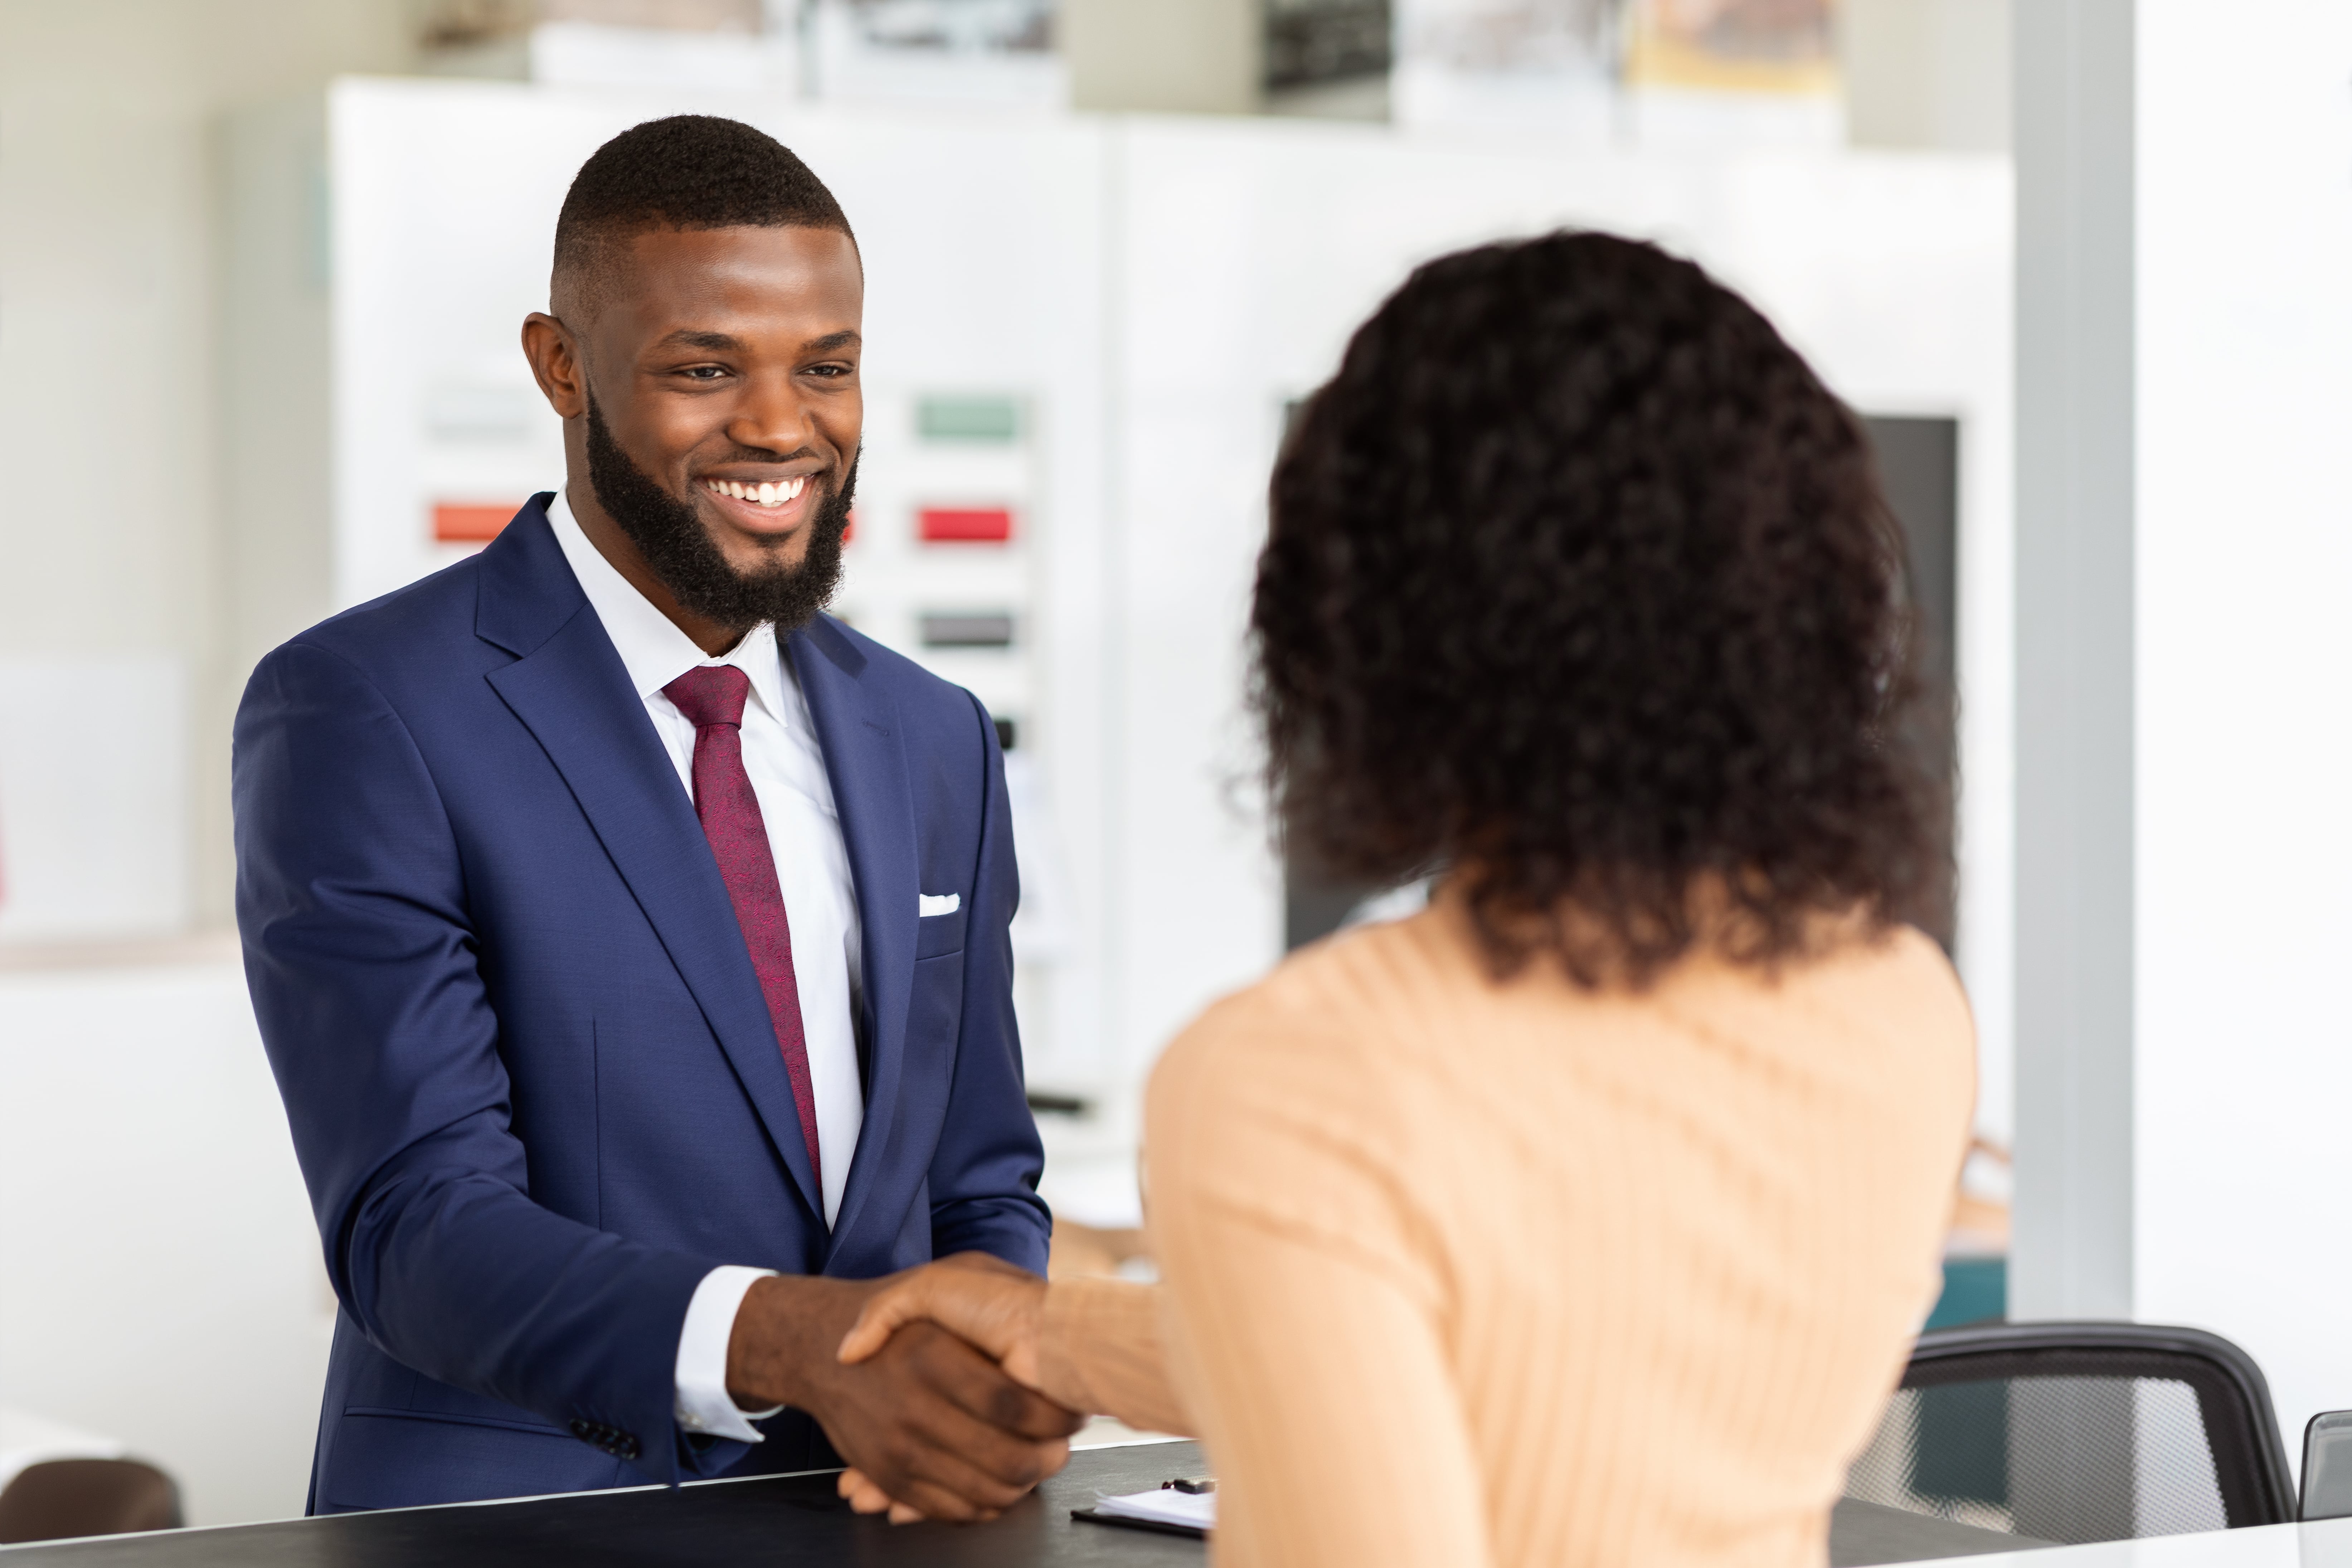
x,y
60,1498
2080,1432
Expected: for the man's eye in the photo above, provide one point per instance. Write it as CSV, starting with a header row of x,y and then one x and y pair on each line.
x,y
703,372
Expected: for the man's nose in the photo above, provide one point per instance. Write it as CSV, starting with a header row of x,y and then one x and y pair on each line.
x,y
775,417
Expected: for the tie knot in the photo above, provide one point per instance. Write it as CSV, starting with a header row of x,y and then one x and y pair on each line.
x,y
710,694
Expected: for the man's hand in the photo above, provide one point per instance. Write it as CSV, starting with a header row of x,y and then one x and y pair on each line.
x,y
983,1300
935,1423
978,1298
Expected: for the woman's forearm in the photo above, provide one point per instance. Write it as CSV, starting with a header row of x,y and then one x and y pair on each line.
x,y
1100,1350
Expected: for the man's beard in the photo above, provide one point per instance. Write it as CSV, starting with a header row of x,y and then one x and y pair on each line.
x,y
669,534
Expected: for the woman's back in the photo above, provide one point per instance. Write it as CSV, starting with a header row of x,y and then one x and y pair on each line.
x,y
1544,1274
1578,586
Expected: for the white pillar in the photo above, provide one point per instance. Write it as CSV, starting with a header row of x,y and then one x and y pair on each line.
x,y
2072,1253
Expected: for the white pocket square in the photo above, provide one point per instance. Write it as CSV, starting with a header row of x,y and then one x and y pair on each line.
x,y
929,904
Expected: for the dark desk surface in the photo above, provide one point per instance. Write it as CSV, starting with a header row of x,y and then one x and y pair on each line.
x,y
798,1520
785,1520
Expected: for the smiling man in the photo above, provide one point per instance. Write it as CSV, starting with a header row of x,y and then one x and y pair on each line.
x,y
629,938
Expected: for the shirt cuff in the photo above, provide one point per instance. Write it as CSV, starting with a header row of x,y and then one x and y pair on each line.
x,y
705,1408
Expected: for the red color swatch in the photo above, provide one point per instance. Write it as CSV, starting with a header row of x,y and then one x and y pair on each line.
x,y
964,525
457,522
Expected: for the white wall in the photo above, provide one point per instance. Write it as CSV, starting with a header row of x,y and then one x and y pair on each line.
x,y
2243,1047
109,365
1184,55
160,1281
157,1281
1926,73
93,796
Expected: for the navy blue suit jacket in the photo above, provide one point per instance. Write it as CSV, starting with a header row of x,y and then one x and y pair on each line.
x,y
529,1071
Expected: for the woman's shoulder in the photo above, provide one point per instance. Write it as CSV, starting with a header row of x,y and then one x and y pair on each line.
x,y
1312,1024
1882,1011
1899,974
1379,1012
1340,991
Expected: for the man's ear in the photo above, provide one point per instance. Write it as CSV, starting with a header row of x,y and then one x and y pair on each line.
x,y
555,356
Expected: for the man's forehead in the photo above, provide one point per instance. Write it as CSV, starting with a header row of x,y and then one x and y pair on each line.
x,y
762,256
660,277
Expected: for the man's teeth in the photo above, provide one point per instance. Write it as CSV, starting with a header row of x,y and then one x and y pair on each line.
x,y
774,494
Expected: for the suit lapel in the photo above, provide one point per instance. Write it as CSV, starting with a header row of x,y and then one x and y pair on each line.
x,y
865,761
570,690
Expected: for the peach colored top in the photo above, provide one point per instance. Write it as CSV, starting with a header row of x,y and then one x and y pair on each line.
x,y
1462,1273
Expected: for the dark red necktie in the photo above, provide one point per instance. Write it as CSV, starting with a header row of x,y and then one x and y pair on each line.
x,y
712,697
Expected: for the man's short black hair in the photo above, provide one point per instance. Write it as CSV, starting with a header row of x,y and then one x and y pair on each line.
x,y
690,171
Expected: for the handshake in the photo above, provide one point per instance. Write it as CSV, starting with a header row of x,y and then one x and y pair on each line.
x,y
925,1381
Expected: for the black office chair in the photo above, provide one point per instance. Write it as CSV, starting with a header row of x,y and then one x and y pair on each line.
x,y
2080,1432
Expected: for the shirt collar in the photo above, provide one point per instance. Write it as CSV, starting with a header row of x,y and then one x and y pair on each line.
x,y
652,648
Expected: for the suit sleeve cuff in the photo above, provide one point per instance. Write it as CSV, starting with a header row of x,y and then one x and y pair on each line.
x,y
705,1408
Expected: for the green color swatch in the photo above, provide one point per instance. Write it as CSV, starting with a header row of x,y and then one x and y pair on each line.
x,y
969,418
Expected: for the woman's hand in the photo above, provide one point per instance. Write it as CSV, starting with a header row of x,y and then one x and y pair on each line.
x,y
865,1497
997,1308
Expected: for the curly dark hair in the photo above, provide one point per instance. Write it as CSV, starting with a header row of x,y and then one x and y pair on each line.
x,y
1581,586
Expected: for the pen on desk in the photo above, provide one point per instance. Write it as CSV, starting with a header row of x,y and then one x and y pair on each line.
x,y
1193,1484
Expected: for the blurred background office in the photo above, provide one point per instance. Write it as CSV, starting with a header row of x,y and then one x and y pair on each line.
x,y
261,268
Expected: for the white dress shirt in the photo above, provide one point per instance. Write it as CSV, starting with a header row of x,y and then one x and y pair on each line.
x,y
786,766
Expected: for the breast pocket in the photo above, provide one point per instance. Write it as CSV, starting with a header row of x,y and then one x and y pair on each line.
x,y
938,935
